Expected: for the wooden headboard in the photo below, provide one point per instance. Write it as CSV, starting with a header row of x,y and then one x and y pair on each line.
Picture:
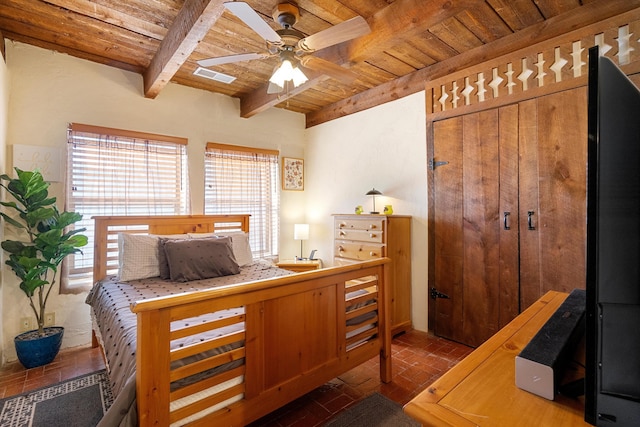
x,y
105,255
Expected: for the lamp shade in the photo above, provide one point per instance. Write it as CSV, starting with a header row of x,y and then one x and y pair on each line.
x,y
285,72
301,231
373,192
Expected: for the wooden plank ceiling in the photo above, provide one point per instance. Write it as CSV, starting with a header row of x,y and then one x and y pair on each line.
x,y
410,41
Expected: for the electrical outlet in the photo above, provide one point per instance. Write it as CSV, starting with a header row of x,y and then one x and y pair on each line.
x,y
25,324
49,319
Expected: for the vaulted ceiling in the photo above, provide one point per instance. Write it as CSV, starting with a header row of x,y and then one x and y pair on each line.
x,y
410,41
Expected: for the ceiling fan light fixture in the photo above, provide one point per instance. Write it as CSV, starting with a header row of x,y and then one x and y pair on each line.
x,y
282,73
298,77
287,72
292,46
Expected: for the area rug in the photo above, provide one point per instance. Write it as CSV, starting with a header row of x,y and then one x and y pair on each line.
x,y
78,402
374,410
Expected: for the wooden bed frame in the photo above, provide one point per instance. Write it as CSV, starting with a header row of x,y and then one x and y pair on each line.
x,y
295,330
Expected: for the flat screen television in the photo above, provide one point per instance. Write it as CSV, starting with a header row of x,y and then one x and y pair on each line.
x,y
612,374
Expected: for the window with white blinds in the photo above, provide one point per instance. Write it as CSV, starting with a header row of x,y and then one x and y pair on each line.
x,y
241,180
119,172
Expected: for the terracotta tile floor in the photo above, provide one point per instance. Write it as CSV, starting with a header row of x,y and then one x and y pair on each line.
x,y
14,379
419,359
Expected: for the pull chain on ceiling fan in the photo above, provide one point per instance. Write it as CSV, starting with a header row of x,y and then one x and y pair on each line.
x,y
292,46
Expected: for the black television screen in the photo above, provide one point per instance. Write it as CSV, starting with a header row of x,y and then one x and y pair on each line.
x,y
612,383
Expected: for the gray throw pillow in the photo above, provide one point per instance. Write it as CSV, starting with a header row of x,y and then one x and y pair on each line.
x,y
163,266
198,259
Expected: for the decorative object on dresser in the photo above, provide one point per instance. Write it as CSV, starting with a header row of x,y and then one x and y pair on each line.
x,y
373,193
301,232
364,237
300,265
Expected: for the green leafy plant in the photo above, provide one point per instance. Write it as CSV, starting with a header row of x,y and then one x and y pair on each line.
x,y
35,260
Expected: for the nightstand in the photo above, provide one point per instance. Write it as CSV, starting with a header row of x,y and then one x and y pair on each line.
x,y
300,265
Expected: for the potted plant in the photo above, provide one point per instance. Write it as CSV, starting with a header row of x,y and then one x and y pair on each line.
x,y
36,258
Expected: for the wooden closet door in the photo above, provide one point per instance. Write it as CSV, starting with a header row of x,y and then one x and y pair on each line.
x,y
553,159
525,162
475,256
448,229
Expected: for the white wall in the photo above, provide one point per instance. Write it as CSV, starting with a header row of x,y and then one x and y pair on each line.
x,y
4,115
385,148
50,90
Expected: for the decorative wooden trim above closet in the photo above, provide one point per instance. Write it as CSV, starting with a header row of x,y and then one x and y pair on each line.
x,y
554,65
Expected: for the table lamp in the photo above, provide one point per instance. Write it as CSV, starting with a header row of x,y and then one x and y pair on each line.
x,y
300,232
373,192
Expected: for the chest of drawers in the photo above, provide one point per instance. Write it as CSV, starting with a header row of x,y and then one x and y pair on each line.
x,y
363,237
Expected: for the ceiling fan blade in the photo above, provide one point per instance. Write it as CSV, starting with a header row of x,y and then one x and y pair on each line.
x,y
329,68
250,17
231,58
347,30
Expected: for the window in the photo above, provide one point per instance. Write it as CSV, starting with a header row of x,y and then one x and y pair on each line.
x,y
119,172
241,180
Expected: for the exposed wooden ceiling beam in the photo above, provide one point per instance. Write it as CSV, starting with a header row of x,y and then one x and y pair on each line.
x,y
415,82
402,19
2,47
112,16
190,26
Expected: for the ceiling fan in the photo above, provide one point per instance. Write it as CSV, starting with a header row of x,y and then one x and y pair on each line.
x,y
292,46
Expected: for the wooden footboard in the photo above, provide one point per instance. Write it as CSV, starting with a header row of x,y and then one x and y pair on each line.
x,y
292,333
297,335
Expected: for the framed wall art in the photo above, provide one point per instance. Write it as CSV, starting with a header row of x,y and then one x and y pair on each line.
x,y
292,174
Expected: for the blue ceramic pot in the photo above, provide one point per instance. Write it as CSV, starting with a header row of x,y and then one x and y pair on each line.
x,y
36,351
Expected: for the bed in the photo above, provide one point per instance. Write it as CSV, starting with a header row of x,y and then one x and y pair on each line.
x,y
214,352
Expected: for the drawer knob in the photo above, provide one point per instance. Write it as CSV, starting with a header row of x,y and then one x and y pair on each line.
x,y
342,225
340,248
373,235
372,226
342,233
373,253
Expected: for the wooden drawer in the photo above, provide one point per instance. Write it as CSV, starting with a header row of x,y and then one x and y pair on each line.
x,y
366,224
358,251
358,238
373,236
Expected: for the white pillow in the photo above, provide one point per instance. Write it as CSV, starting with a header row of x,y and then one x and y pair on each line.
x,y
239,242
137,257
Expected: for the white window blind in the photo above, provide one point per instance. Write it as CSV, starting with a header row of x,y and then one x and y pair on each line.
x,y
119,172
241,180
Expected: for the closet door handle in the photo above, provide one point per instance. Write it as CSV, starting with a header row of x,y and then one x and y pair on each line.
x,y
530,220
506,222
